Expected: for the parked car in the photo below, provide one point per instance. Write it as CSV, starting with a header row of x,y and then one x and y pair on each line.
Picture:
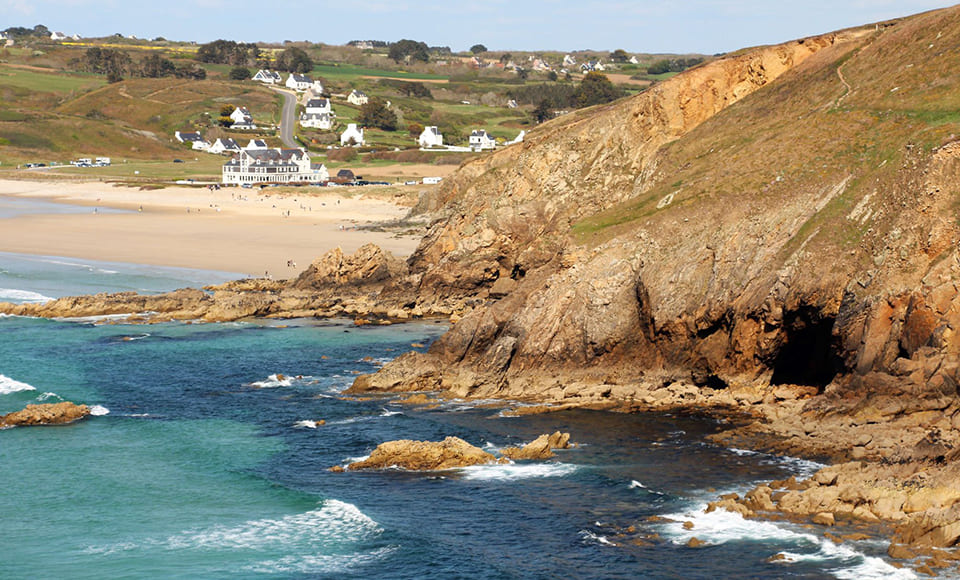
x,y
178,160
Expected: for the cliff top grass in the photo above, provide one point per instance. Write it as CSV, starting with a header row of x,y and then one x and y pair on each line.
x,y
810,132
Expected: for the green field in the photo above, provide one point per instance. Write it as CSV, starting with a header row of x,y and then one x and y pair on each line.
x,y
52,82
351,72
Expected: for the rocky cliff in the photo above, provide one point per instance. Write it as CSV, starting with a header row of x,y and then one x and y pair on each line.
x,y
773,234
780,216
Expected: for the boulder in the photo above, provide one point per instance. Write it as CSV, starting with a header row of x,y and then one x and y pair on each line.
x,y
45,414
450,453
540,448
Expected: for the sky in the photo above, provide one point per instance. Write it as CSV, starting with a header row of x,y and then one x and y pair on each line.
x,y
648,26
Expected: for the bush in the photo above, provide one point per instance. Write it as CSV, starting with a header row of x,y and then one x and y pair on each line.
x,y
345,154
240,73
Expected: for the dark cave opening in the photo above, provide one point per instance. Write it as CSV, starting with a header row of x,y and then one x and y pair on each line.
x,y
809,355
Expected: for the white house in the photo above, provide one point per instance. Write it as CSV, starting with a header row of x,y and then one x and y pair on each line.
x,y
593,65
196,140
432,180
58,36
318,115
569,60
242,119
322,121
430,137
352,136
256,144
316,88
357,98
633,60
480,140
273,166
268,76
224,145
299,82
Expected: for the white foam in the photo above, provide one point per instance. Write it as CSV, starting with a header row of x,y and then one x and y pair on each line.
x,y
8,385
387,413
596,538
7,294
99,411
46,396
514,471
721,526
272,382
319,564
306,424
634,484
332,524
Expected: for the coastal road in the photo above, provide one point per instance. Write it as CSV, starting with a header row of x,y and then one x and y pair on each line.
x,y
288,118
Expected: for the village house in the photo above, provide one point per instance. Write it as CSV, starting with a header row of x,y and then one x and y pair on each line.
x,y
593,65
252,166
345,176
540,65
480,140
569,60
255,144
430,137
58,36
242,119
352,136
316,89
298,82
318,114
195,140
357,98
224,145
268,77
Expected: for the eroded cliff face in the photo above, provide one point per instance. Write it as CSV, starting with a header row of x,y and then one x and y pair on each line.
x,y
507,214
806,236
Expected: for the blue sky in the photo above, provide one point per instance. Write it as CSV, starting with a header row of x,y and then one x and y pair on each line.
x,y
704,26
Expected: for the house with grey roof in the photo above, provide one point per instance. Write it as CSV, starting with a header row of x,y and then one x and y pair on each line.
x,y
224,145
318,114
480,140
267,76
430,137
195,139
299,82
252,166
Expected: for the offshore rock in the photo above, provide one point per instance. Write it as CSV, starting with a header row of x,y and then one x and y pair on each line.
x,y
540,448
450,453
45,414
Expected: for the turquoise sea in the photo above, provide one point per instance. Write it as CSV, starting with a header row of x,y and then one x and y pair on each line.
x,y
203,463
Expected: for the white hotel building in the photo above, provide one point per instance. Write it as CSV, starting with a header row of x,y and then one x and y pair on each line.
x,y
273,166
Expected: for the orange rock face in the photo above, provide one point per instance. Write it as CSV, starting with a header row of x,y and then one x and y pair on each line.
x,y
450,453
46,414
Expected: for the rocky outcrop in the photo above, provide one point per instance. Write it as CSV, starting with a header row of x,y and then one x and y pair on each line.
x,y
45,414
450,453
334,285
540,448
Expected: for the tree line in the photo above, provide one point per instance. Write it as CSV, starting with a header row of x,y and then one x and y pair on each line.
x,y
595,89
116,64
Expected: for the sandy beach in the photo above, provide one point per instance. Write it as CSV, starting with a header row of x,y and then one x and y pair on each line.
x,y
251,232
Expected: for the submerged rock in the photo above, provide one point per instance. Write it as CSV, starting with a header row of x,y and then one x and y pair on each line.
x,y
450,453
45,414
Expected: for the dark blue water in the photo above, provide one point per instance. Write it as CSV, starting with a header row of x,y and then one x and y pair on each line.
x,y
206,467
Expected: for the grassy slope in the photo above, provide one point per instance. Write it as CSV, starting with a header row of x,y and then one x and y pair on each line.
x,y
760,150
